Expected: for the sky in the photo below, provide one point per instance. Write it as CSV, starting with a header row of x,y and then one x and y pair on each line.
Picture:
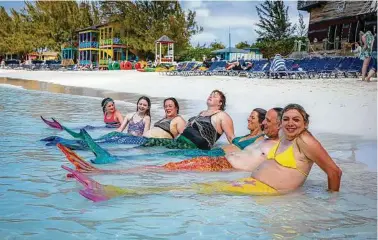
x,y
217,17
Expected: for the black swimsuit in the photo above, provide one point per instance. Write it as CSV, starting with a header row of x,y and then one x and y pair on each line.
x,y
165,124
201,132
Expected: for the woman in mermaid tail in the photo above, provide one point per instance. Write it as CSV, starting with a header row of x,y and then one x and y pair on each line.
x,y
203,130
212,160
112,117
239,143
255,127
138,123
169,127
285,168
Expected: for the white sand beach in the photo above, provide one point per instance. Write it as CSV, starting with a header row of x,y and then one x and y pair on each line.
x,y
344,106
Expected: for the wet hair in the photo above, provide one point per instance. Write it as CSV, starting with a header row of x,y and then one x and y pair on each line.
x,y
279,112
148,113
174,102
223,99
261,115
300,109
104,102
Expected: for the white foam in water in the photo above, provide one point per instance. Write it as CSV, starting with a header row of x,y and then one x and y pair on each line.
x,y
11,86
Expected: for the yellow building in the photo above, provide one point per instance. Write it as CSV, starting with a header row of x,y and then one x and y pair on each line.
x,y
111,47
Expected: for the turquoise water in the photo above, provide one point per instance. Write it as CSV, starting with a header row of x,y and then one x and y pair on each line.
x,y
38,202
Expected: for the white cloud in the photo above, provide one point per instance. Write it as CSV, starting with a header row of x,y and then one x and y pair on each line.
x,y
190,4
220,22
204,37
202,12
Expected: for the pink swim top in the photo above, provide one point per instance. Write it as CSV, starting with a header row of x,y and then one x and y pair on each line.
x,y
112,121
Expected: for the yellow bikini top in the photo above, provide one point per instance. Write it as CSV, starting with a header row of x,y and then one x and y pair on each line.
x,y
285,159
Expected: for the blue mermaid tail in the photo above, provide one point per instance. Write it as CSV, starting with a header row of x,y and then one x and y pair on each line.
x,y
113,137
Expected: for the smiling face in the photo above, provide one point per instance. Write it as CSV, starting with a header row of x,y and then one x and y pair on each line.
x,y
271,124
253,121
142,106
293,123
170,109
110,107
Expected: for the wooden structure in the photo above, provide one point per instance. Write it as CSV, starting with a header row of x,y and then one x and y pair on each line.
x,y
88,46
334,24
111,46
32,56
169,58
49,56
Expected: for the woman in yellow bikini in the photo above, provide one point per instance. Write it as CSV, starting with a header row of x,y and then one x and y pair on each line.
x,y
285,169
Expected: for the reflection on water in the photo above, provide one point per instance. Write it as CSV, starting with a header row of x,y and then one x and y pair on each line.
x,y
38,202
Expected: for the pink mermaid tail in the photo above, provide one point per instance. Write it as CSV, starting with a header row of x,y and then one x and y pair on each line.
x,y
95,191
54,124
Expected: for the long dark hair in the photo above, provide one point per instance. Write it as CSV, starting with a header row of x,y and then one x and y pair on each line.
x,y
261,115
148,113
174,102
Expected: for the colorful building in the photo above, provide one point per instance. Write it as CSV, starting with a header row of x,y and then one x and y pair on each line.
x,y
232,53
111,46
88,46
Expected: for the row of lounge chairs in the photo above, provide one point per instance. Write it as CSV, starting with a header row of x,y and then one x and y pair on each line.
x,y
314,67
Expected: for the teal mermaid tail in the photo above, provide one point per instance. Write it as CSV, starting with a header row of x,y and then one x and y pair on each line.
x,y
102,156
112,137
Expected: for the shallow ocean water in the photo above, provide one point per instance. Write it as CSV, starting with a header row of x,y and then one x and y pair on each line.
x,y
37,201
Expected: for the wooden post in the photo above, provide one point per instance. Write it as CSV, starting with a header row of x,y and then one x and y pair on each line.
x,y
160,55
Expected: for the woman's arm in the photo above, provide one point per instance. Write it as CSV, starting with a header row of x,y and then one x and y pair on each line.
x,y
119,116
227,126
180,124
314,151
147,124
124,123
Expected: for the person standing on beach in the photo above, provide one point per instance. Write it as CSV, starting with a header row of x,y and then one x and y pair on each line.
x,y
139,122
367,40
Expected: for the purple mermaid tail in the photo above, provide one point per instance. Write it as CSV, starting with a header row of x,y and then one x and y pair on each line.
x,y
54,123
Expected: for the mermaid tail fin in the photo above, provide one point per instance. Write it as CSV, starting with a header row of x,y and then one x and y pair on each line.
x,y
54,123
73,134
80,164
95,191
102,156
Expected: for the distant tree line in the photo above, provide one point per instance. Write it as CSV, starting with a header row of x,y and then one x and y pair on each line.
x,y
49,24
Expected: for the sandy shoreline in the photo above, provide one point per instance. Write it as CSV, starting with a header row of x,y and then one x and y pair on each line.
x,y
343,106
